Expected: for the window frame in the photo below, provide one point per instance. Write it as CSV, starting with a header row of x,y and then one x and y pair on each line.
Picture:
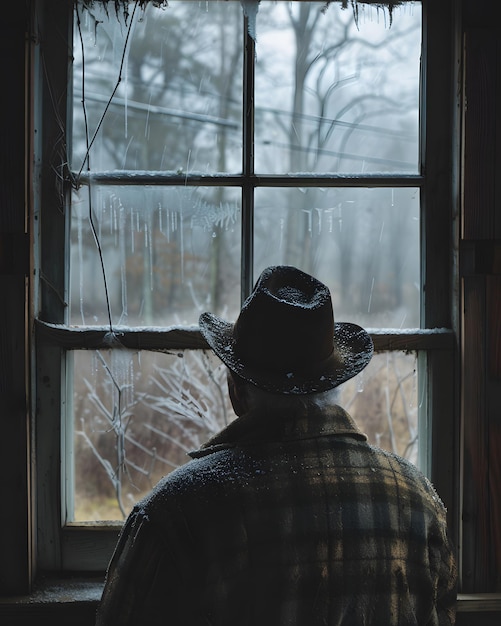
x,y
87,547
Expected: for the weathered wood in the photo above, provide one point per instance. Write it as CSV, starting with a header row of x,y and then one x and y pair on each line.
x,y
88,548
53,54
481,328
494,325
482,114
153,178
93,338
476,535
481,412
493,417
49,613
15,544
178,338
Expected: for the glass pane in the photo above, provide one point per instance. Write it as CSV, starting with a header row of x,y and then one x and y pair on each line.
x,y
335,94
175,76
383,400
362,243
136,416
169,253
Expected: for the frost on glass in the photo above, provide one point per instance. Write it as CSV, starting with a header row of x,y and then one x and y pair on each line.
x,y
362,243
169,254
160,91
334,94
138,415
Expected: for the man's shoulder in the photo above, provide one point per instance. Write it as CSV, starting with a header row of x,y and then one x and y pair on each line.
x,y
202,473
405,473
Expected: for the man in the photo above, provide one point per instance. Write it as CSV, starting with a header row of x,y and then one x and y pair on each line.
x,y
287,516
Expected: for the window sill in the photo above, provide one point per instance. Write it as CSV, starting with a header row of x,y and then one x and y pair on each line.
x,y
74,600
55,601
470,602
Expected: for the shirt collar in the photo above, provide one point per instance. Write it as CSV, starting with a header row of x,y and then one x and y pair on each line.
x,y
267,427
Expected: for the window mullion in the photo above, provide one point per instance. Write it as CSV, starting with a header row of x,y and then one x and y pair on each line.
x,y
248,103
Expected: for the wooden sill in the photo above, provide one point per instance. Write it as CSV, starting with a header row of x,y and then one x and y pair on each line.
x,y
479,602
74,599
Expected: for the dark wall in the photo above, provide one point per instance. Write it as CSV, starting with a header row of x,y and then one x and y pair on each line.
x,y
14,272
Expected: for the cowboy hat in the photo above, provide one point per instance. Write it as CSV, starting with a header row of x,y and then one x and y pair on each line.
x,y
285,339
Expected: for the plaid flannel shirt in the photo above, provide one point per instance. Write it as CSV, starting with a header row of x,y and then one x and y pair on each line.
x,y
285,520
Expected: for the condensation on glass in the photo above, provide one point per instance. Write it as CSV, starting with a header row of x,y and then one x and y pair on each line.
x,y
169,253
362,243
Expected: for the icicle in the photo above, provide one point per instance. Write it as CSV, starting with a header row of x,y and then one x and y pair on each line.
x,y
110,221
251,7
151,243
115,221
308,213
330,219
132,245
370,296
282,228
100,219
319,216
123,258
381,233
160,224
80,269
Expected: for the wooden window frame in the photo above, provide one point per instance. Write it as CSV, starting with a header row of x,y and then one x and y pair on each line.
x,y
33,449
88,546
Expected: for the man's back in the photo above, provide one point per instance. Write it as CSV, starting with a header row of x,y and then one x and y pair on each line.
x,y
306,524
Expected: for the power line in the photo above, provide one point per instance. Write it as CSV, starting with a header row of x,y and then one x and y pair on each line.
x,y
218,121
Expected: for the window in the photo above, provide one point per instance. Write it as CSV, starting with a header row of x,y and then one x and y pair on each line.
x,y
201,143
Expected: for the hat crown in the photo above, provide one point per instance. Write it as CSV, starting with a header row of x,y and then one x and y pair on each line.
x,y
285,339
287,323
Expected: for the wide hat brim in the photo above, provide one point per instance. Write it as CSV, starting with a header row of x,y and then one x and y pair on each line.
x,y
352,349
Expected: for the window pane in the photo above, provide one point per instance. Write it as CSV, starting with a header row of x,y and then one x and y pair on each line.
x,y
178,76
383,401
169,253
136,415
362,243
334,94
